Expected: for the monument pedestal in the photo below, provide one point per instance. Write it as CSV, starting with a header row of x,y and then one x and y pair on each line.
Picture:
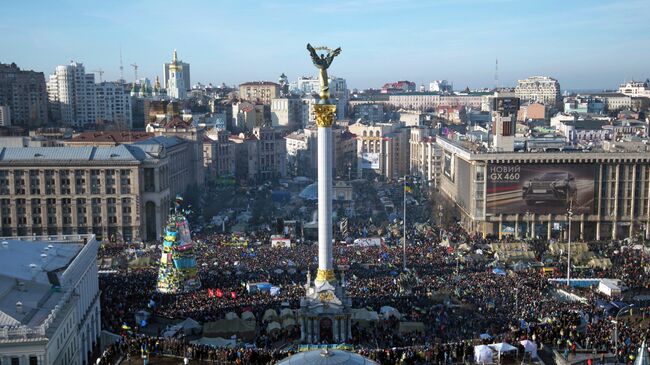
x,y
325,313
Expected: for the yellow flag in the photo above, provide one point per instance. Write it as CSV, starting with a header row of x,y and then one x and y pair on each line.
x,y
408,189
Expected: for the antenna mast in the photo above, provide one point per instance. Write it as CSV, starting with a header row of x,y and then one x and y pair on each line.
x,y
121,66
496,75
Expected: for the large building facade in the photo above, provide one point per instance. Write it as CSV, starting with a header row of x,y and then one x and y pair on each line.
x,y
382,149
259,91
425,155
175,81
24,95
541,89
117,193
530,194
54,277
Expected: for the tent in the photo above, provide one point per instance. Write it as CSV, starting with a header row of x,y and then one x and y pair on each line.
x,y
387,312
483,355
248,316
288,322
190,326
502,348
499,272
286,313
485,336
530,347
215,342
270,315
273,327
227,328
363,314
408,327
231,315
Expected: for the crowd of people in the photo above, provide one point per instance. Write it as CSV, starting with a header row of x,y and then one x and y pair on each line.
x,y
457,297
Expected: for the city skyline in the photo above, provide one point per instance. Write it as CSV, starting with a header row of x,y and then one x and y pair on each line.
x,y
580,44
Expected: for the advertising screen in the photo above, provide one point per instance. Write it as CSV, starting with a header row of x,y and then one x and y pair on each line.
x,y
369,160
540,189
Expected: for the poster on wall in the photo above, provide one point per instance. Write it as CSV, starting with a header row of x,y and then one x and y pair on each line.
x,y
540,189
370,160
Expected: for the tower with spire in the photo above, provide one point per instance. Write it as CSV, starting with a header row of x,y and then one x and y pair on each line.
x,y
176,87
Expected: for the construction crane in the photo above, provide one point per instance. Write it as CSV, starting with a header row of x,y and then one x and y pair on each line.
x,y
100,72
135,70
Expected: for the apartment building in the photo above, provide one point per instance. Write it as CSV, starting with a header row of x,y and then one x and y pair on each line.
x,y
23,96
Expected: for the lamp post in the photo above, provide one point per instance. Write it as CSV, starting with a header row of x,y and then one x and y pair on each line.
x,y
404,228
568,262
616,326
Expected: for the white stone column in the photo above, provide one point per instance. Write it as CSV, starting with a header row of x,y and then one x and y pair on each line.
x,y
324,199
335,329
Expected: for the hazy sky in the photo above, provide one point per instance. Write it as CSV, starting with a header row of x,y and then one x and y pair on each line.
x,y
583,43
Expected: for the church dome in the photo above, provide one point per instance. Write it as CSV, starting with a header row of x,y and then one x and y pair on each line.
x,y
326,357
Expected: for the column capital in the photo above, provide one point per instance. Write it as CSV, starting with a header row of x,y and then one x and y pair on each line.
x,y
324,114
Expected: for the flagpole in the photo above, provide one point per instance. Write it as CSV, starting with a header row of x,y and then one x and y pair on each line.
x,y
404,228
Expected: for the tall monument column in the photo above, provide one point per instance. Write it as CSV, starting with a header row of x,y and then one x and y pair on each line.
x,y
324,118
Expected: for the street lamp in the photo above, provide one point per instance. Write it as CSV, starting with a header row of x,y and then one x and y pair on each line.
x,y
616,325
568,261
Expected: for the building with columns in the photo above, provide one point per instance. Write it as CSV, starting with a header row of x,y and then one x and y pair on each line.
x,y
49,302
117,193
382,149
530,193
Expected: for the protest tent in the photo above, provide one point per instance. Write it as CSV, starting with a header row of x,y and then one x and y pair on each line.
x,y
485,336
231,315
286,313
270,315
190,326
530,347
215,342
388,311
228,328
408,327
483,355
248,316
502,348
288,322
273,327
365,315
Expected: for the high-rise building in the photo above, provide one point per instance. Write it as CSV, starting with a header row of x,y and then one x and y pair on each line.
x,y
50,300
542,89
114,104
175,83
72,95
25,95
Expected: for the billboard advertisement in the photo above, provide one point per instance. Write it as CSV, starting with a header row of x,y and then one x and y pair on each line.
x,y
448,165
540,189
370,160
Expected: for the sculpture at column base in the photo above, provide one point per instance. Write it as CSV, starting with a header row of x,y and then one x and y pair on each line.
x,y
325,275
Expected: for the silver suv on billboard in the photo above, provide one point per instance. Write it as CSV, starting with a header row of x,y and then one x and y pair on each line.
x,y
557,187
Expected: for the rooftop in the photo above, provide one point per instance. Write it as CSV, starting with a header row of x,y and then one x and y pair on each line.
x,y
115,137
34,155
30,294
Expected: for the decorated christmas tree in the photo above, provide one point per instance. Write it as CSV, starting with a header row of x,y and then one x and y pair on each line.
x,y
178,272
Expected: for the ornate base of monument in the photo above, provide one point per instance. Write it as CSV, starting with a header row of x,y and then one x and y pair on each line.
x,y
325,311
